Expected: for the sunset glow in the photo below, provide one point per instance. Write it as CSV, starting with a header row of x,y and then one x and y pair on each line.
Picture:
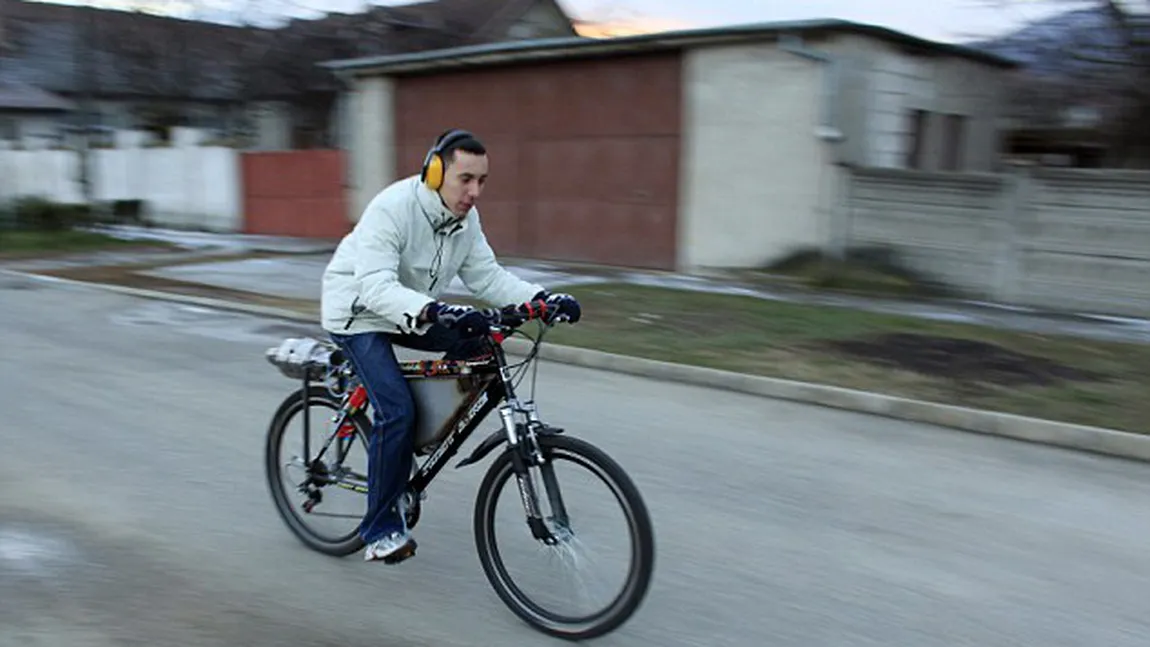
x,y
627,28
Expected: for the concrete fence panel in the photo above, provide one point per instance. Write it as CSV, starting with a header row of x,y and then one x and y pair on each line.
x,y
943,224
49,174
1084,241
190,187
1063,239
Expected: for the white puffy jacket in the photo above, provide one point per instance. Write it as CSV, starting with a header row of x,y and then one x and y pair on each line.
x,y
401,255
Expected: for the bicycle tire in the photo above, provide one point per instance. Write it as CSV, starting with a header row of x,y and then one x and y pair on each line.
x,y
291,406
641,530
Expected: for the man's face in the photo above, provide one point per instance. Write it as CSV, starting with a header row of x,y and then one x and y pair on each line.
x,y
463,182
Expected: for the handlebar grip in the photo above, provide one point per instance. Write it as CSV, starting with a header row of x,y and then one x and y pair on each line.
x,y
536,309
517,315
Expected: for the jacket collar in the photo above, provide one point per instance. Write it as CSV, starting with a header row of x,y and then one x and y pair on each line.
x,y
440,217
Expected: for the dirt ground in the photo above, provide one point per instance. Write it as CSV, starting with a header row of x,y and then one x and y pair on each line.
x,y
129,276
960,359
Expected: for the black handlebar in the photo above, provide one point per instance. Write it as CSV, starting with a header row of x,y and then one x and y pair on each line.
x,y
516,315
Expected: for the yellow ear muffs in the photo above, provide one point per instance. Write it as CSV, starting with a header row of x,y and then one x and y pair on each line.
x,y
433,171
433,167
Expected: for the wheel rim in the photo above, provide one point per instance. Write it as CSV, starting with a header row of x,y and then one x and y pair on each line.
x,y
632,576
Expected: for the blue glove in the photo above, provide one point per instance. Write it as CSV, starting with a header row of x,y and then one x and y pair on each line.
x,y
566,307
468,321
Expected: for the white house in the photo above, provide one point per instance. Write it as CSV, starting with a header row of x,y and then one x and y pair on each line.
x,y
677,150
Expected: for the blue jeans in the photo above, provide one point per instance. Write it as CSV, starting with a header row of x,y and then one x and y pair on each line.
x,y
390,449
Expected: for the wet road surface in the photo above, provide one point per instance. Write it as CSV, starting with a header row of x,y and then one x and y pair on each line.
x,y
133,510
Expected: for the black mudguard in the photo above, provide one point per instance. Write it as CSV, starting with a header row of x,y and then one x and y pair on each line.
x,y
496,439
484,448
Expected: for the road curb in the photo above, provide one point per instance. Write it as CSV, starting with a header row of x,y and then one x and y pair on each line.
x,y
1093,439
1047,432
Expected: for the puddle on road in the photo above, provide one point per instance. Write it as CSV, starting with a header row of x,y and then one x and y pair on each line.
x,y
16,283
215,324
948,316
34,553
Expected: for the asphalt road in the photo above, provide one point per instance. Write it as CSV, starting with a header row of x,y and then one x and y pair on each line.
x,y
133,510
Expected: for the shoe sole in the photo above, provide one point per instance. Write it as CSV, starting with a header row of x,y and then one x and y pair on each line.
x,y
404,553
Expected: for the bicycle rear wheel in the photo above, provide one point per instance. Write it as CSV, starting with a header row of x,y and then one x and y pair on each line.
x,y
317,477
564,521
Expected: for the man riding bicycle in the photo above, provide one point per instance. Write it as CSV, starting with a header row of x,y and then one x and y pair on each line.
x,y
382,288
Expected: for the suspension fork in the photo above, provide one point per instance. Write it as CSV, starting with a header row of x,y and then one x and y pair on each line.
x,y
527,457
545,465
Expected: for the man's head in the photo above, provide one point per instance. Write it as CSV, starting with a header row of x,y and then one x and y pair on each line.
x,y
464,172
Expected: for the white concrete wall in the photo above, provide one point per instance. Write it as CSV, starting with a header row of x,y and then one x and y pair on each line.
x,y
757,180
189,187
272,121
195,187
46,173
752,166
944,224
371,110
1082,241
1063,239
900,82
898,85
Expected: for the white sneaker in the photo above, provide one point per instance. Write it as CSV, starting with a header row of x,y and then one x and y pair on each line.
x,y
391,549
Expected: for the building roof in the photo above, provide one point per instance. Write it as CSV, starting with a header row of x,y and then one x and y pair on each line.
x,y
487,21
562,48
75,49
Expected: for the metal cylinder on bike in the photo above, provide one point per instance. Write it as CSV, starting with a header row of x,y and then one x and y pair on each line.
x,y
507,415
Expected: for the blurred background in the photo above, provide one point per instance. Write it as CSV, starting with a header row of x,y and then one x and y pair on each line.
x,y
898,219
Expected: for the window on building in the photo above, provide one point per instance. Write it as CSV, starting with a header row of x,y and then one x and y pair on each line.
x,y
953,137
9,128
917,137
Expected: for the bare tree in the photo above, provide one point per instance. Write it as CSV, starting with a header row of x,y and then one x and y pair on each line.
x,y
278,60
1096,59
1124,68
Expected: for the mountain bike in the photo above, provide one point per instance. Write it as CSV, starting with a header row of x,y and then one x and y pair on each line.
x,y
452,399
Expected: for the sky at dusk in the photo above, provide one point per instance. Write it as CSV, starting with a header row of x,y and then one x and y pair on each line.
x,y
940,19
948,20
945,20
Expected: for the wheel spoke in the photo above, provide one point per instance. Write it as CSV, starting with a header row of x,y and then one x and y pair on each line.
x,y
323,481
571,550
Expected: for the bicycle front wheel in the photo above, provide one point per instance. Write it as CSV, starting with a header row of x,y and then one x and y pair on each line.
x,y
571,522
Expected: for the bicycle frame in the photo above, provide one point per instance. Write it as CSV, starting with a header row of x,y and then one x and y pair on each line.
x,y
492,389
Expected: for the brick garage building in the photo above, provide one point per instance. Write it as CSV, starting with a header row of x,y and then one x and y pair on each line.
x,y
677,150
